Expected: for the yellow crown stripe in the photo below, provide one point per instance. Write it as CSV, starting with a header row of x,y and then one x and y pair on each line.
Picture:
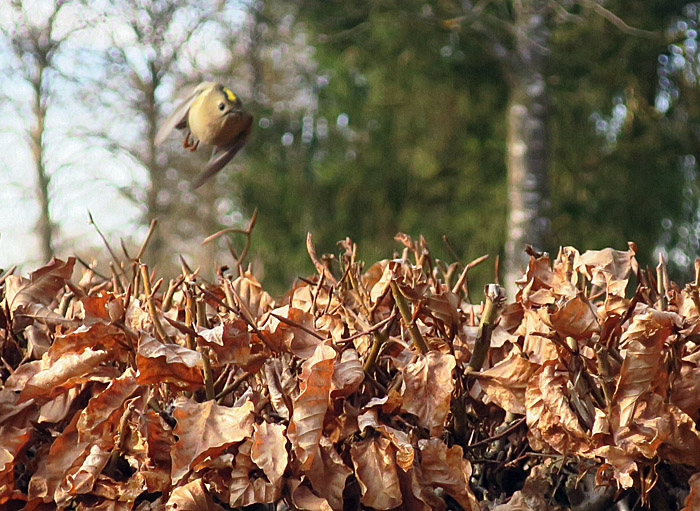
x,y
230,95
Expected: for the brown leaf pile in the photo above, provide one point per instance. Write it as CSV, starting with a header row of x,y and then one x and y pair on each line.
x,y
210,396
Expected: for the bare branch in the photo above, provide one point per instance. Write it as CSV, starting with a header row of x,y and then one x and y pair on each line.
x,y
617,21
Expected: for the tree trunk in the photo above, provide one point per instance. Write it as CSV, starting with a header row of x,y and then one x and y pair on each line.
x,y
528,140
154,250
45,226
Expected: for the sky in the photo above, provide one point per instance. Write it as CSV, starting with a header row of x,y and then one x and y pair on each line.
x,y
85,176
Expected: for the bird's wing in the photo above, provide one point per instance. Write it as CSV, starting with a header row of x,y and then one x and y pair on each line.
x,y
178,118
222,155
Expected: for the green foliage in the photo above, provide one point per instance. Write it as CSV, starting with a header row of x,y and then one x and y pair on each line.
x,y
616,170
407,134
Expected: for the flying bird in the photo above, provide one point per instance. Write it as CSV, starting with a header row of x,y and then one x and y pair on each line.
x,y
213,115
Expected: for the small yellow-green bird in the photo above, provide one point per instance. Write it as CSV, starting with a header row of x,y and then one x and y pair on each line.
x,y
212,115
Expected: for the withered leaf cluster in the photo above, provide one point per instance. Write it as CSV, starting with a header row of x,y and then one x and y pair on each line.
x,y
359,389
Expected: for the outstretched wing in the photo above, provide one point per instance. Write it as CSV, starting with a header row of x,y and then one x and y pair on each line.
x,y
222,155
178,118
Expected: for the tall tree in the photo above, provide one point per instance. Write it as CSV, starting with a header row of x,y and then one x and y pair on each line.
x,y
528,144
519,35
153,53
36,35
530,50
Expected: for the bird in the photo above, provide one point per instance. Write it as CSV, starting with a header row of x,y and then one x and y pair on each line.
x,y
213,115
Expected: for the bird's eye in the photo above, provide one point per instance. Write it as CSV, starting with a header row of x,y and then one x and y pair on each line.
x,y
222,106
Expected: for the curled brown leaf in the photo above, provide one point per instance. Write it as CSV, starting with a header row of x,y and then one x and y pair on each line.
x,y
375,469
192,497
306,426
168,363
206,430
429,385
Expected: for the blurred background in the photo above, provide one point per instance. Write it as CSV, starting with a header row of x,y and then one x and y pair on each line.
x,y
494,123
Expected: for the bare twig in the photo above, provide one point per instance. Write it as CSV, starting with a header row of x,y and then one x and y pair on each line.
x,y
65,303
293,323
121,442
186,270
661,283
151,228
151,306
116,281
7,273
494,299
245,316
379,340
201,306
320,267
208,376
117,263
693,288
512,427
90,268
617,21
248,231
463,276
243,308
373,329
232,386
405,311
190,312
172,287
319,288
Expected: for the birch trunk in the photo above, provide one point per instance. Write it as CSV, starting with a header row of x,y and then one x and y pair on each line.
x,y
528,140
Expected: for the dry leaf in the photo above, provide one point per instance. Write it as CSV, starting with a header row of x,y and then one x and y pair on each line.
x,y
103,411
40,288
268,450
244,489
642,369
168,363
281,385
230,342
12,442
549,415
614,262
65,453
192,497
446,467
303,498
506,382
100,336
375,469
67,372
306,426
692,501
405,453
348,374
206,430
429,385
328,475
417,494
576,318
254,298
